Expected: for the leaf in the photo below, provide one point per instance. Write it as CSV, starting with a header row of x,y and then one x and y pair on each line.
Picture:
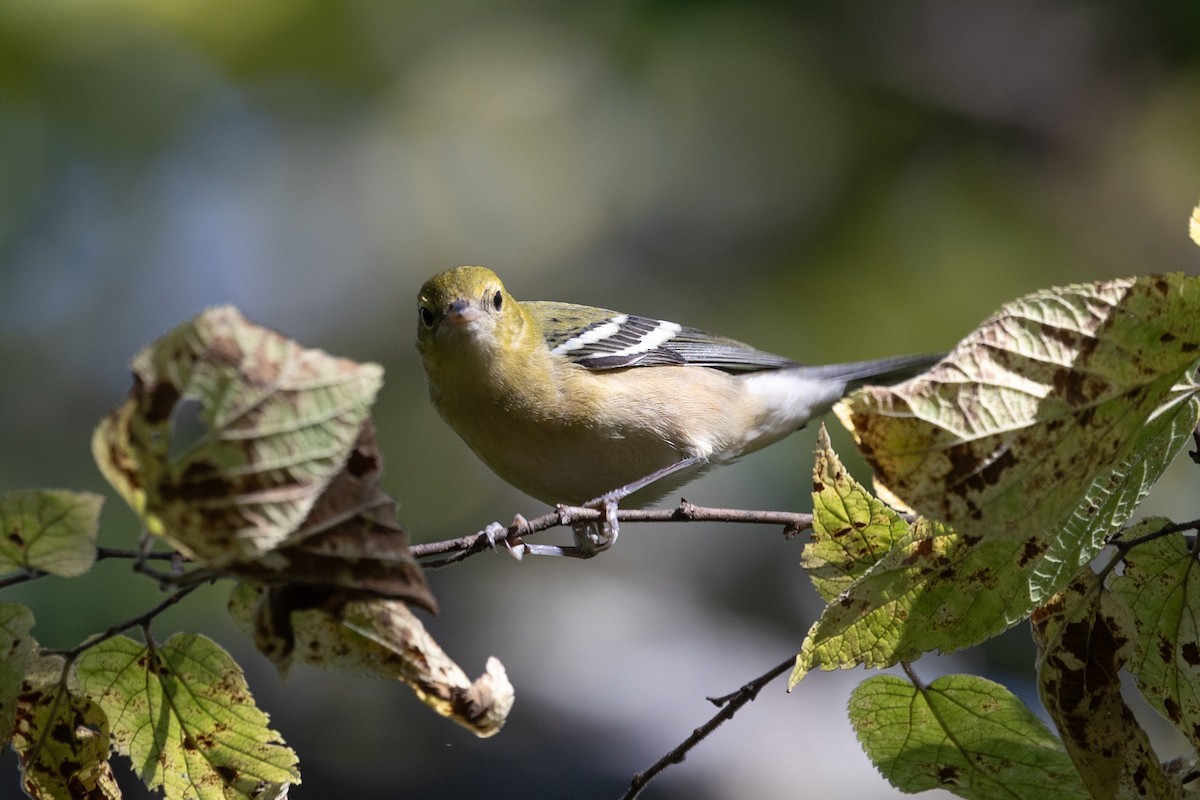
x,y
351,538
230,433
1084,638
375,637
852,529
961,733
938,589
1159,587
62,738
50,530
181,711
1111,499
17,646
1004,436
933,589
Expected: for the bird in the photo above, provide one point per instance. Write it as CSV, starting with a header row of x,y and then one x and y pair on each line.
x,y
576,405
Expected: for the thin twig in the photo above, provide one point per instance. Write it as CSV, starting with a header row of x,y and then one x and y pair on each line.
x,y
1125,545
730,704
22,577
912,675
101,554
457,549
116,552
142,620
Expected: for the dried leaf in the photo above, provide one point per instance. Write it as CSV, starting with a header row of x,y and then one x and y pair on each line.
x,y
230,434
375,637
62,738
1085,637
1005,435
351,539
17,646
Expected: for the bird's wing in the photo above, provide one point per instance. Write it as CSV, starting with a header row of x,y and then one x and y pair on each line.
x,y
600,339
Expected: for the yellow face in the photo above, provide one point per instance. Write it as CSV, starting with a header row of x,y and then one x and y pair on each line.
x,y
463,304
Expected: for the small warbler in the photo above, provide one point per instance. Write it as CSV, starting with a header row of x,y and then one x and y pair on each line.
x,y
579,405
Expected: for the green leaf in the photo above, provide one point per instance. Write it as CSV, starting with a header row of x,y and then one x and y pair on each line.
x,y
961,733
1111,500
1005,435
1159,586
1085,637
939,589
50,530
852,529
62,738
17,645
230,433
376,637
935,589
181,711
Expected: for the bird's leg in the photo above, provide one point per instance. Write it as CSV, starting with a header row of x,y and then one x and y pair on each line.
x,y
590,539
597,536
608,501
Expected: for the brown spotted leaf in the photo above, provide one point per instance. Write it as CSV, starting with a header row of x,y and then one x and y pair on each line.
x,y
62,738
375,637
17,646
852,529
1160,585
230,433
51,530
182,713
1085,637
1005,435
350,539
939,589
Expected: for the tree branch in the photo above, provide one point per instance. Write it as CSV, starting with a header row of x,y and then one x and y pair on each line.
x,y
101,554
116,552
454,550
1125,545
732,704
142,620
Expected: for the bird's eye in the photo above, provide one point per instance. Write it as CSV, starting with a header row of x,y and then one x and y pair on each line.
x,y
497,300
426,316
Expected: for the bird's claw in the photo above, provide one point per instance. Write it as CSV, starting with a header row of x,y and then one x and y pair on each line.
x,y
492,533
516,546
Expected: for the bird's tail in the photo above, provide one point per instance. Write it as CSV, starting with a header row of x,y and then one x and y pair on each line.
x,y
880,370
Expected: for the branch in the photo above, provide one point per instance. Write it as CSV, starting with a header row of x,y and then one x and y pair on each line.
x,y
30,574
116,552
142,621
457,549
1125,545
21,577
732,704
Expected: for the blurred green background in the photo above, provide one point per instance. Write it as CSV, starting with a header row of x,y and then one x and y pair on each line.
x,y
827,180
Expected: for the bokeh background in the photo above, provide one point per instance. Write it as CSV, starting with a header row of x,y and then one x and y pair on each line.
x,y
828,180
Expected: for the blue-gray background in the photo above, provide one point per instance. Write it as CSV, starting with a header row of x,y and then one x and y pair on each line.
x,y
827,180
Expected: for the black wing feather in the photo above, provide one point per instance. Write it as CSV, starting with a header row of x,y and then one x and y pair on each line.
x,y
599,339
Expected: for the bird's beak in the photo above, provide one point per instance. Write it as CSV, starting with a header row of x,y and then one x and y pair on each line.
x,y
461,312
